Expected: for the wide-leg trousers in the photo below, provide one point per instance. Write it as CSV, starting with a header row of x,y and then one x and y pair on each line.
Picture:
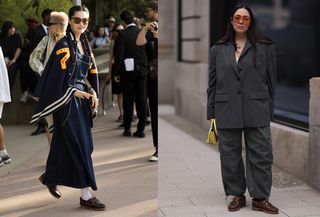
x,y
256,175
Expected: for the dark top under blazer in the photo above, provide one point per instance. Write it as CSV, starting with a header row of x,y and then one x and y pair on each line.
x,y
35,36
241,94
127,48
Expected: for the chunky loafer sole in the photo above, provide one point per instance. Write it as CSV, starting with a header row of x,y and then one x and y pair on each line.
x,y
92,208
52,189
264,210
92,204
236,209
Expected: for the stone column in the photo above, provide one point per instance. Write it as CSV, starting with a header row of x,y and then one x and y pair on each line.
x,y
77,2
314,133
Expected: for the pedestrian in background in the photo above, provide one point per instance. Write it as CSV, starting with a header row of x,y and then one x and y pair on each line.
x,y
101,39
242,78
35,37
11,44
149,36
133,59
40,55
28,79
116,86
4,98
68,89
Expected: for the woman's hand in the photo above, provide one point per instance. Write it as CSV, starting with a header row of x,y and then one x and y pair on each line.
x,y
117,78
11,62
82,94
94,102
155,34
91,95
94,99
108,78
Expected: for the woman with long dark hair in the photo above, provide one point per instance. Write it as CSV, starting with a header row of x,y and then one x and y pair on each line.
x,y
11,44
68,89
116,86
242,77
101,39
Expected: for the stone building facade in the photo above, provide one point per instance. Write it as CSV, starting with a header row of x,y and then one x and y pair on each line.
x,y
188,28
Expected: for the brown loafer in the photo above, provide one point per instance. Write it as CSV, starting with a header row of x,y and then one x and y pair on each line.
x,y
237,203
264,206
53,190
92,204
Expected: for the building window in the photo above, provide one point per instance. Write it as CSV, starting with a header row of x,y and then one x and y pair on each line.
x,y
188,40
294,26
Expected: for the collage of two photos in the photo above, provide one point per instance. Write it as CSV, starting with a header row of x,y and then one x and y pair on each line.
x,y
88,89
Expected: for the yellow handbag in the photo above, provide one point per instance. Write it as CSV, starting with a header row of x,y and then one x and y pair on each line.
x,y
212,134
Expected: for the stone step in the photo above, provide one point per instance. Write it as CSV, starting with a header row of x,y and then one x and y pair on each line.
x,y
102,61
100,51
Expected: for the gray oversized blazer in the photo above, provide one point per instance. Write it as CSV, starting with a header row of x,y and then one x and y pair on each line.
x,y
241,95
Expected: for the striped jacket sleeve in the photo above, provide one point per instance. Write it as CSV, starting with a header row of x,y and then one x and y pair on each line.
x,y
53,89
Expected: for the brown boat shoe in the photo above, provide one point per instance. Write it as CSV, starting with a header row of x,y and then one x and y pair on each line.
x,y
92,204
264,206
237,203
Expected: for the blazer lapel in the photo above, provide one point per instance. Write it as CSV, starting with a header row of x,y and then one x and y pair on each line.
x,y
231,55
247,46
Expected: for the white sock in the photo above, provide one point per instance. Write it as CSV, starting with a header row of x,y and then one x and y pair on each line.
x,y
3,152
85,194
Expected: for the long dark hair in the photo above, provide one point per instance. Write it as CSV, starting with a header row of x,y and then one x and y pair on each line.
x,y
83,38
253,37
6,26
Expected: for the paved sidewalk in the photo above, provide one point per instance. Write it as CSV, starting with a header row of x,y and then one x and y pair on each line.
x,y
190,180
127,181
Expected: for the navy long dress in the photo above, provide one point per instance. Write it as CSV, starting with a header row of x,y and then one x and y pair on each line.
x,y
69,162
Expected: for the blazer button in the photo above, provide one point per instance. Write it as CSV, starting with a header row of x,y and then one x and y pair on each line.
x,y
239,92
238,79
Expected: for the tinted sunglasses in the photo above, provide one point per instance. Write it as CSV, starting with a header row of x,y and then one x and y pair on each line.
x,y
245,19
51,24
78,20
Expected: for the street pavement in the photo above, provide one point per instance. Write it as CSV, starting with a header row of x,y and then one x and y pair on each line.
x,y
185,183
127,181
189,178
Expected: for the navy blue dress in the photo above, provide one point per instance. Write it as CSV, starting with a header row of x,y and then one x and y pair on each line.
x,y
69,162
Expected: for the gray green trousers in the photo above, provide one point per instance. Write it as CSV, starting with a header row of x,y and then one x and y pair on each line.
x,y
257,176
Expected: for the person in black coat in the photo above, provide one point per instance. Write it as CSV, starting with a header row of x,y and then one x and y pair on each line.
x,y
11,44
35,37
149,36
38,33
242,77
134,60
28,79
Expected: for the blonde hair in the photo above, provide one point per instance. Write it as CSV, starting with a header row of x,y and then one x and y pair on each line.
x,y
59,17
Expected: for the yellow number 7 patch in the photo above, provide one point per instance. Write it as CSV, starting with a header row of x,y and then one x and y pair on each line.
x,y
65,58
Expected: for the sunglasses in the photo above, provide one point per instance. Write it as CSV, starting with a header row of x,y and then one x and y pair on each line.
x,y
78,20
245,19
51,24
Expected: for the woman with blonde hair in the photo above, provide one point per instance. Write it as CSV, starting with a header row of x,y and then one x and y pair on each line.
x,y
40,55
